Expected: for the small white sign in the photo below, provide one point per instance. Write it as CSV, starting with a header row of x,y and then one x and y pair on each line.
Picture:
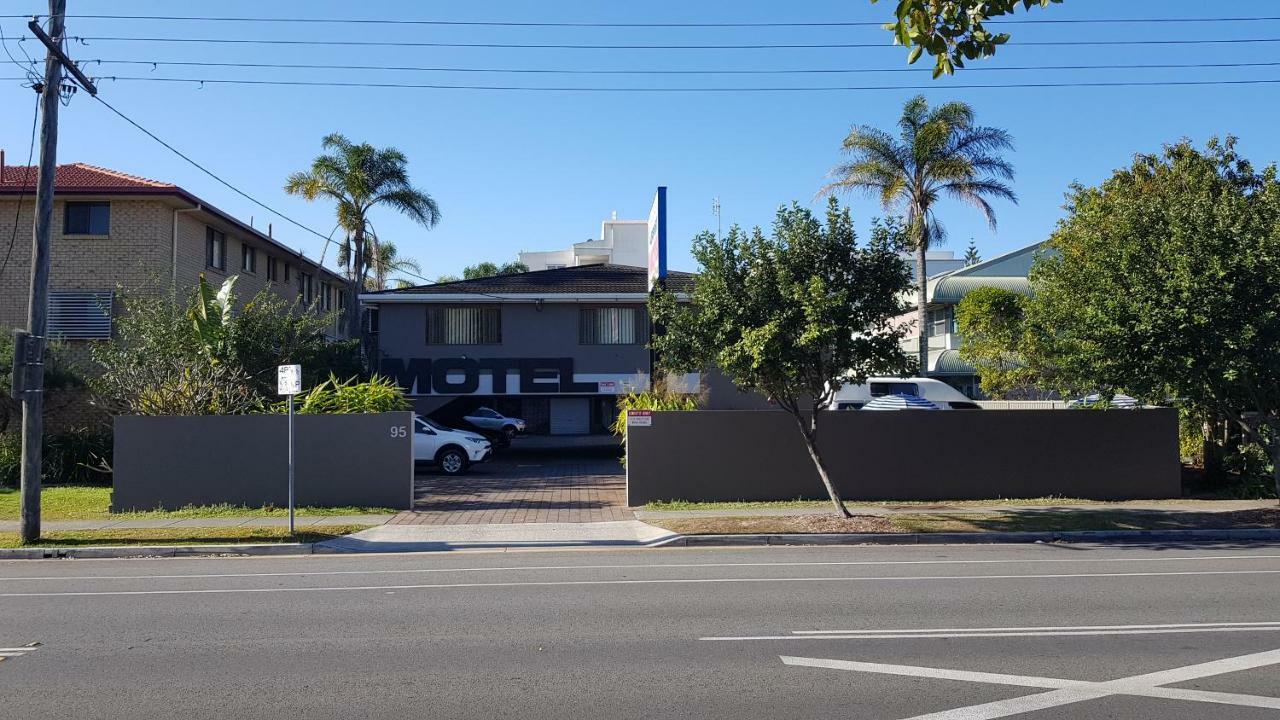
x,y
289,379
639,418
607,387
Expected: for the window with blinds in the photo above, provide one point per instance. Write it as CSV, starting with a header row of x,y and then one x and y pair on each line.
x,y
80,314
464,325
613,326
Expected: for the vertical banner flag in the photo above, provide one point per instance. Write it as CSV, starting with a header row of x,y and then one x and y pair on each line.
x,y
658,239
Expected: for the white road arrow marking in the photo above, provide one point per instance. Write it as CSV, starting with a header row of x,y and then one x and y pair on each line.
x,y
1066,692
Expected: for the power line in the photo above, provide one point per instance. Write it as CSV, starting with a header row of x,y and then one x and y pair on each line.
x,y
569,46
572,24
22,191
827,88
209,172
574,71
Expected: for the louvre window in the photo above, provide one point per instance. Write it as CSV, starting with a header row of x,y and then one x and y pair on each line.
x,y
305,288
326,297
613,326
87,218
465,325
80,314
273,269
215,249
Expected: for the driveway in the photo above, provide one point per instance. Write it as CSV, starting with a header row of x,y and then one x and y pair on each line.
x,y
525,485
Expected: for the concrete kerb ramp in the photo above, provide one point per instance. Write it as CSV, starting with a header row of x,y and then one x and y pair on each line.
x,y
433,538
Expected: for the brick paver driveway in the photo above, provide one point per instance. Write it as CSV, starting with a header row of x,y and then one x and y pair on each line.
x,y
522,486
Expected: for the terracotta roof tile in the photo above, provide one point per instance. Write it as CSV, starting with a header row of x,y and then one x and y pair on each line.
x,y
79,177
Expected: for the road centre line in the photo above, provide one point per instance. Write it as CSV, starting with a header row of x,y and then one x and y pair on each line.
x,y
645,566
656,581
1035,628
1066,692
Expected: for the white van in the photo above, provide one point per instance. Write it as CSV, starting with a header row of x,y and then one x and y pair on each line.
x,y
853,397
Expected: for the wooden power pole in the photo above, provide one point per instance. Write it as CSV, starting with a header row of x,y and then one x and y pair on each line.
x,y
31,351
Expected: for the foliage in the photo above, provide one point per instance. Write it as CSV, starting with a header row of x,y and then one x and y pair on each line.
x,y
971,256
358,177
77,456
658,398
488,269
938,152
334,396
991,325
59,374
952,31
1163,285
203,358
794,316
384,261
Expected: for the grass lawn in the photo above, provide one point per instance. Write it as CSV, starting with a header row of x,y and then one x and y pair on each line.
x,y
824,504
1059,521
182,536
91,502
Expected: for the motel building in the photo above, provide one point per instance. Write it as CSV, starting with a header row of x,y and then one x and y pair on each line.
x,y
554,347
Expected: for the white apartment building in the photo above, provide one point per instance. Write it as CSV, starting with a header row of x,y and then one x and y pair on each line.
x,y
622,242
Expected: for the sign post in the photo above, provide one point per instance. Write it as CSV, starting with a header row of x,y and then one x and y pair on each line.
x,y
657,264
289,382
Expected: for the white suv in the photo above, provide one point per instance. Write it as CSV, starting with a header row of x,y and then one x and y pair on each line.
x,y
453,451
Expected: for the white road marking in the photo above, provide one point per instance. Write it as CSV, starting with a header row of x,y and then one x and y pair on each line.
x,y
1032,628
656,581
1067,692
1055,633
650,566
17,651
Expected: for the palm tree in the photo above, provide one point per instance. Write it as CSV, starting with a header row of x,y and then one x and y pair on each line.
x,y
357,178
938,151
384,261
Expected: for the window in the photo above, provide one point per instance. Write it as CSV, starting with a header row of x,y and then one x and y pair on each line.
x,y
286,272
273,269
305,288
371,320
941,322
880,389
80,314
342,299
87,218
215,249
464,325
248,259
613,326
554,266
326,296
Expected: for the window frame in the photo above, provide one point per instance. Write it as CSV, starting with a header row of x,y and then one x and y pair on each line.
x,y
90,206
482,324
248,259
588,334
306,288
215,238
273,269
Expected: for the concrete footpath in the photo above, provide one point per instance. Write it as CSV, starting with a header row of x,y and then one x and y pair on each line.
x,y
1171,507
427,538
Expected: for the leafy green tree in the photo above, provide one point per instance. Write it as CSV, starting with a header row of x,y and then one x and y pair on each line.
x,y
358,178
991,322
971,256
952,31
938,152
1164,285
447,278
488,269
384,261
794,316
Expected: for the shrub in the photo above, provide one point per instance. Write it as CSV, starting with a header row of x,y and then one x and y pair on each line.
x,y
333,396
660,398
81,456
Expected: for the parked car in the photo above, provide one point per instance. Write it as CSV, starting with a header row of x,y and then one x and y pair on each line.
x,y
945,397
453,451
490,420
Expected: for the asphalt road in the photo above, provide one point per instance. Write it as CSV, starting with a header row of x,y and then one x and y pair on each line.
x,y
964,632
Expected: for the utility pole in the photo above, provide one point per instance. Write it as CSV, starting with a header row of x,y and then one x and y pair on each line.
x,y
32,371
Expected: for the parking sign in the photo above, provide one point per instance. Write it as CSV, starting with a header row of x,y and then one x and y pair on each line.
x,y
289,379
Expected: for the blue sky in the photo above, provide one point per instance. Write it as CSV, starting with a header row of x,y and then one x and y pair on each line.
x,y
525,170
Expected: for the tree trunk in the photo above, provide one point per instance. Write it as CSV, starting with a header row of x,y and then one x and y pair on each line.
x,y
810,433
922,301
355,284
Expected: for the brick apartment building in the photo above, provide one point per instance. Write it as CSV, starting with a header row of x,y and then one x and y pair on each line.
x,y
117,233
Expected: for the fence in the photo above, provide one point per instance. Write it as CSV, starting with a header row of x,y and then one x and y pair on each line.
x,y
709,455
340,460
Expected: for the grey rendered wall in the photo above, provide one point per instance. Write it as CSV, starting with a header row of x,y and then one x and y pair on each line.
x,y
340,460
760,455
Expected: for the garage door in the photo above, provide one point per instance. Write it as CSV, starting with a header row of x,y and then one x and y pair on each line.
x,y
570,416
